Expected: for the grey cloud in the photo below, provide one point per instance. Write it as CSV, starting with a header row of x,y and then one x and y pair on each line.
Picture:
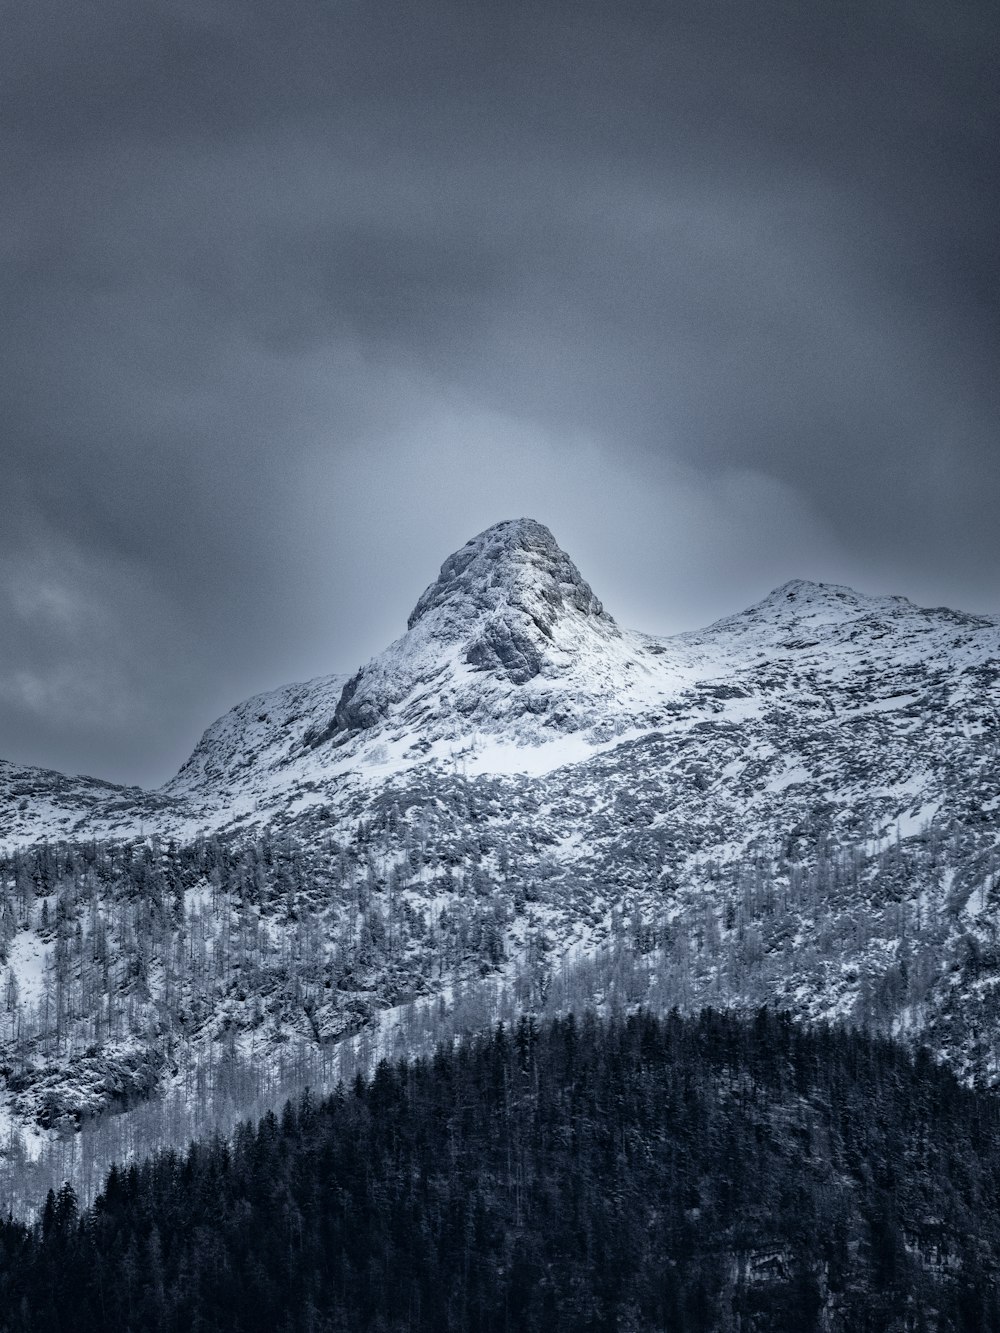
x,y
732,265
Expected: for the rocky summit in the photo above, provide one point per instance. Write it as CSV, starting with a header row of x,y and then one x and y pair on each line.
x,y
515,572
508,609
520,802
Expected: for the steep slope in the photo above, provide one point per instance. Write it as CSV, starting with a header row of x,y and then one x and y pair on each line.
x,y
509,638
508,659
508,648
248,764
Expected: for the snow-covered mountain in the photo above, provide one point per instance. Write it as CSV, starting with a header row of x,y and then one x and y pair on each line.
x,y
507,656
510,664
799,803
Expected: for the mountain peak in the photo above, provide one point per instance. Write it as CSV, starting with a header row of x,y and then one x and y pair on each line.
x,y
518,564
801,598
508,608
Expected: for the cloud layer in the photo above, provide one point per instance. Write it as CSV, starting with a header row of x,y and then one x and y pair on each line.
x,y
296,298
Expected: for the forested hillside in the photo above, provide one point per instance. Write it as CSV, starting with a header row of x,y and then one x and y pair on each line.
x,y
705,1173
189,985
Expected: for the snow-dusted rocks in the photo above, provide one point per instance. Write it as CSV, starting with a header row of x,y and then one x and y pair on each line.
x,y
509,664
39,803
515,575
248,753
508,639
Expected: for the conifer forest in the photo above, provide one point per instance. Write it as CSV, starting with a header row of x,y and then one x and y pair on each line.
x,y
644,1172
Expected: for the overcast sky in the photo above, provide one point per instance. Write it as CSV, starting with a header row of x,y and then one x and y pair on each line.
x,y
297,296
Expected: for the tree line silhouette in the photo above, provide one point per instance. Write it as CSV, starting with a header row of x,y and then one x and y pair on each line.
x,y
632,1173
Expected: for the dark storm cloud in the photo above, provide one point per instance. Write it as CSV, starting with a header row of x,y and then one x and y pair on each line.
x,y
298,297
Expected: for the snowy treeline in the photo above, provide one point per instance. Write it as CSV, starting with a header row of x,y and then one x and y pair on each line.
x,y
200,981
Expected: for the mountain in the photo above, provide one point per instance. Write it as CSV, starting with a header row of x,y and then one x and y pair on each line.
x,y
520,802
510,664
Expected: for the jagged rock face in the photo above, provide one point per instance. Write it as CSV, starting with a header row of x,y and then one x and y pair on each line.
x,y
507,590
510,606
